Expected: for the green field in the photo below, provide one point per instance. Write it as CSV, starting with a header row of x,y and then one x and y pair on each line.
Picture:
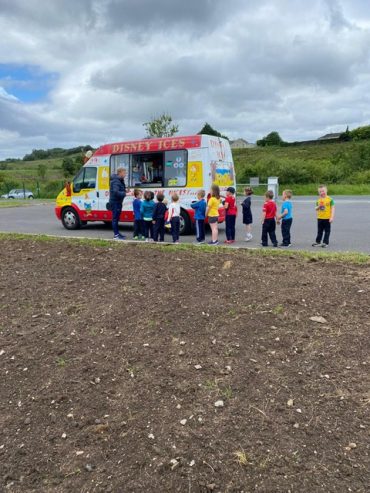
x,y
344,166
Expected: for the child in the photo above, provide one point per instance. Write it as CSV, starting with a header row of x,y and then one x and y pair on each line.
x,y
212,213
200,215
146,209
268,220
159,212
138,220
174,217
325,209
247,213
286,218
230,218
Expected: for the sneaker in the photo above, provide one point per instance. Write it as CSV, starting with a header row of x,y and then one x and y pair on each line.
x,y
263,245
135,238
118,237
324,245
147,240
227,241
201,242
213,243
286,245
275,245
316,244
248,238
232,241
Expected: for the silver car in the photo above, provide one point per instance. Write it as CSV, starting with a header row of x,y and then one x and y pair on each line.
x,y
18,193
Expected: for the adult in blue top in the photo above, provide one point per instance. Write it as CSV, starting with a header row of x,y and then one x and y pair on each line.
x,y
200,214
117,193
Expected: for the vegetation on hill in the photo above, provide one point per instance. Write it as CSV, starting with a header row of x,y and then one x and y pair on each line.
x,y
341,163
345,165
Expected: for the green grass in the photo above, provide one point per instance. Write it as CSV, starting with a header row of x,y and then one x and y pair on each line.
x,y
352,257
6,203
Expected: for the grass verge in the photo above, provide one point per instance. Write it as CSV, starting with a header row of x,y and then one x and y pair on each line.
x,y
351,257
7,203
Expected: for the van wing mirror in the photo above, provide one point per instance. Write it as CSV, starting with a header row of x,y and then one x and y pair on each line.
x,y
76,188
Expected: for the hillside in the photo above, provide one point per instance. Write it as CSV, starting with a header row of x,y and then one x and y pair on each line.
x,y
345,166
346,162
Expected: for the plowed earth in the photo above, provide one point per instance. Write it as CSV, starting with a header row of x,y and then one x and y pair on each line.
x,y
112,359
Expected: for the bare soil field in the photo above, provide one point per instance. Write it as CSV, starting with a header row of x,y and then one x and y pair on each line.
x,y
133,368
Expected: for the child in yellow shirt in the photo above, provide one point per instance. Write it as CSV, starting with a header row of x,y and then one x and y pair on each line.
x,y
325,210
212,213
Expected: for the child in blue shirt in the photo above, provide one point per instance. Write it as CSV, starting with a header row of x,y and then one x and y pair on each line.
x,y
286,217
138,219
200,214
146,210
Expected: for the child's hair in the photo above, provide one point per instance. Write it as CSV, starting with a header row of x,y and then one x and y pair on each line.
x,y
160,197
215,191
323,186
137,192
269,194
288,193
248,191
201,193
174,197
148,195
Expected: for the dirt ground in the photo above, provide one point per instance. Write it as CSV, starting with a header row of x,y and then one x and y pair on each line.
x,y
141,369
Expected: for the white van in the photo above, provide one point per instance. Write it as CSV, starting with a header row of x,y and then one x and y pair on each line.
x,y
175,164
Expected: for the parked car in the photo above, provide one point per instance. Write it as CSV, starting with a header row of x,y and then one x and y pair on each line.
x,y
18,193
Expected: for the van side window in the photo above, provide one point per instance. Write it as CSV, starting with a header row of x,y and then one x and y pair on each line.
x,y
175,168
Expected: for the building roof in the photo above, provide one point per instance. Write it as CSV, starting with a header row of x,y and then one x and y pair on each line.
x,y
330,136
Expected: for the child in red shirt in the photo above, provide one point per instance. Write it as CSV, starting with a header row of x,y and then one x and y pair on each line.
x,y
230,214
268,220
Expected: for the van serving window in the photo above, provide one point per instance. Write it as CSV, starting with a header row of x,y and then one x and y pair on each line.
x,y
159,169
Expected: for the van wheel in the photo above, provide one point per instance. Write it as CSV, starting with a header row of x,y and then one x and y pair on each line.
x,y
185,223
70,218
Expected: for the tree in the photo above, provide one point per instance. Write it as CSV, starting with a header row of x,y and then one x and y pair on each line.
x,y
41,171
68,167
161,126
272,139
208,130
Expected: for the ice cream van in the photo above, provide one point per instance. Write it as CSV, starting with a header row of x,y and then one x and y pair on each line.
x,y
173,164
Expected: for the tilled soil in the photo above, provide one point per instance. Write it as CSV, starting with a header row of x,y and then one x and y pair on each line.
x,y
113,359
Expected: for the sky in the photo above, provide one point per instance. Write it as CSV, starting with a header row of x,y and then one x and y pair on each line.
x,y
93,71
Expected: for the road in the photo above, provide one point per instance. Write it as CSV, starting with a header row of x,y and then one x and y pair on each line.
x,y
350,230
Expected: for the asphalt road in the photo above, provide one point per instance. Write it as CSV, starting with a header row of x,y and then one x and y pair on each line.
x,y
350,230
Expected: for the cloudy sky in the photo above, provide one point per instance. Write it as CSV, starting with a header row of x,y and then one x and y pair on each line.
x,y
92,71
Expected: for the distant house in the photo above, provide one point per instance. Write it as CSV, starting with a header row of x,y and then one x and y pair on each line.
x,y
334,136
241,144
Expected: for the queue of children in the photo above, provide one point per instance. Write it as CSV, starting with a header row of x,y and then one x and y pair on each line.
x,y
150,219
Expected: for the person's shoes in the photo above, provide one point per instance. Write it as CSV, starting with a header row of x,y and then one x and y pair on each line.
x,y
286,245
135,238
147,240
213,243
227,241
316,244
119,237
176,242
232,241
263,245
201,242
275,245
324,245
